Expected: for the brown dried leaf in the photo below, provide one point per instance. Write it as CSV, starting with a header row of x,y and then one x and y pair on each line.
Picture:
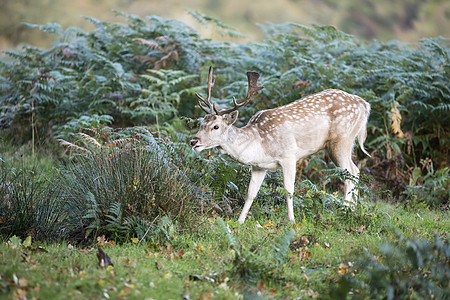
x,y
150,44
89,139
101,240
260,285
301,83
129,263
396,118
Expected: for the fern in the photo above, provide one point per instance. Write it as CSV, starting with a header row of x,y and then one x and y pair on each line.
x,y
229,237
223,29
92,215
114,220
280,246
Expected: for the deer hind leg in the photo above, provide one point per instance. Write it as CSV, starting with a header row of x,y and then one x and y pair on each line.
x,y
341,154
253,188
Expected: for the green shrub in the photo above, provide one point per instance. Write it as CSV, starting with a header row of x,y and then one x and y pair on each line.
x,y
432,189
29,204
408,269
124,191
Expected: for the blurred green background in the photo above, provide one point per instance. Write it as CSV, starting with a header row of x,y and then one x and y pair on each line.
x,y
404,20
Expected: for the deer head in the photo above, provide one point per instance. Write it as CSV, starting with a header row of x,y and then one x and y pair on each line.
x,y
217,123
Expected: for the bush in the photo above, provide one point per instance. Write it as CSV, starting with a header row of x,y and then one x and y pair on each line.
x,y
432,189
29,204
409,269
122,191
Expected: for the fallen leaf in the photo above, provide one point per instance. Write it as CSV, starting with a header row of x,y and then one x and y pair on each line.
x,y
436,217
273,291
360,229
304,241
82,274
20,293
123,293
269,224
341,270
129,263
180,253
205,296
260,285
23,282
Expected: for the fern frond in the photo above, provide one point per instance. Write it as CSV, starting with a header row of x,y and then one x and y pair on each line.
x,y
122,142
442,107
53,28
226,232
92,214
70,145
89,139
151,44
280,246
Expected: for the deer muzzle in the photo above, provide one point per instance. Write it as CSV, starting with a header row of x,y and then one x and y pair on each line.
x,y
194,142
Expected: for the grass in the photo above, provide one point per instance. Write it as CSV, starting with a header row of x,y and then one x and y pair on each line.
x,y
209,258
203,265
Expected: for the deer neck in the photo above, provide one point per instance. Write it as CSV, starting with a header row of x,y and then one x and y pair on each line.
x,y
242,144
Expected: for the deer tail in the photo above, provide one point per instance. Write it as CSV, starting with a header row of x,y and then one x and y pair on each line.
x,y
362,135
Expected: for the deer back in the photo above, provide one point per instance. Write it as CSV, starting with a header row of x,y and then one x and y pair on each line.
x,y
311,122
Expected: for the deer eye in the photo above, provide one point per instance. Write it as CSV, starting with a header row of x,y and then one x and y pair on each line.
x,y
216,127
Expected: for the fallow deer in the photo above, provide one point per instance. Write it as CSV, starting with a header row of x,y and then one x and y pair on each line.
x,y
279,137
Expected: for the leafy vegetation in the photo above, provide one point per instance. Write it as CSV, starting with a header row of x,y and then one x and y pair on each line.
x,y
319,257
116,105
124,191
29,203
409,268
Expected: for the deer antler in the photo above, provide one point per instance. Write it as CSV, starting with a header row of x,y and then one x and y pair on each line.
x,y
209,109
253,88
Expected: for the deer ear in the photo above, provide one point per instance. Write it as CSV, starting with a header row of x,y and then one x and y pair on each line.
x,y
231,117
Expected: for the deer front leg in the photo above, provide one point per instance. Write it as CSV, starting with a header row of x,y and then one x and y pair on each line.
x,y
253,188
289,170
